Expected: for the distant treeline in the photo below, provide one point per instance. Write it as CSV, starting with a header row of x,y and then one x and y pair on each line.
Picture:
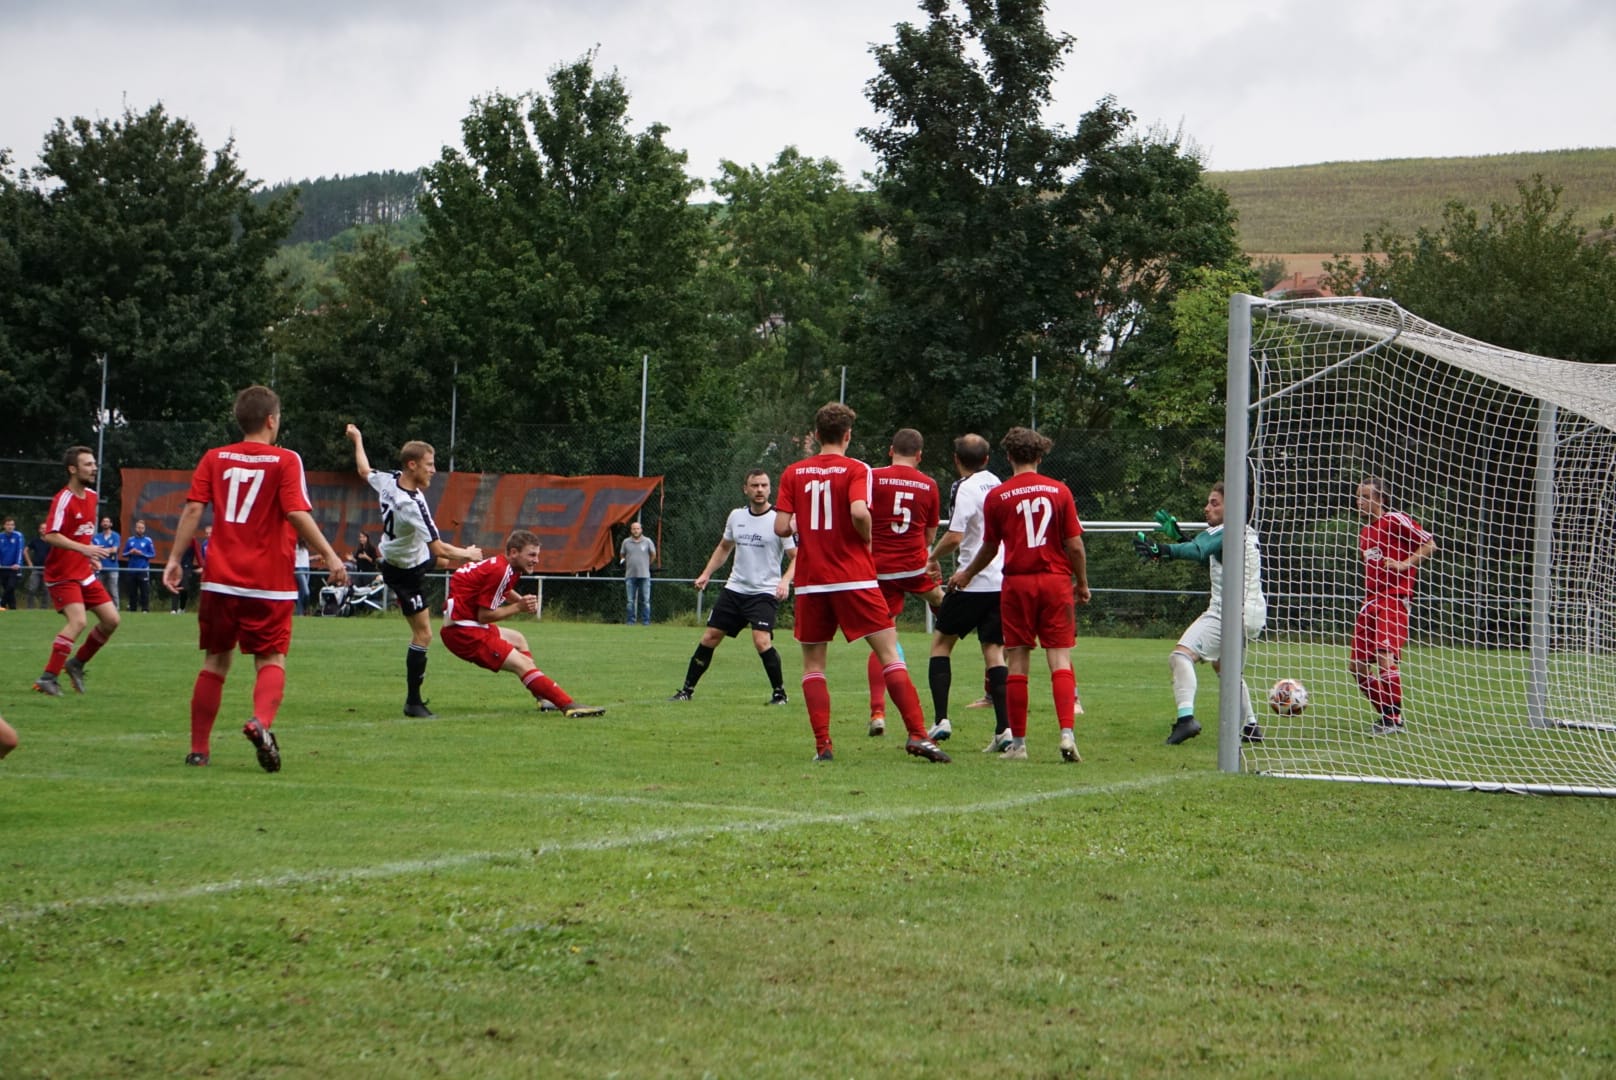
x,y
1329,208
335,204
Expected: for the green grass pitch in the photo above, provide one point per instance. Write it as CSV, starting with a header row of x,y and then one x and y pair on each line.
x,y
675,890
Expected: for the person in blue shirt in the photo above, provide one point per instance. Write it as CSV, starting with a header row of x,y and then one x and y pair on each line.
x,y
108,538
138,552
12,546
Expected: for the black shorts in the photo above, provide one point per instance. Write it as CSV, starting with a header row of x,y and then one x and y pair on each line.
x,y
409,585
963,612
735,611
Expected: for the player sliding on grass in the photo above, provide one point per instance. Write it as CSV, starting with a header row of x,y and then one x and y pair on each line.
x,y
830,494
1035,519
1203,641
482,594
411,548
248,592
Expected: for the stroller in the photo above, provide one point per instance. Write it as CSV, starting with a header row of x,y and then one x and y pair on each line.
x,y
348,600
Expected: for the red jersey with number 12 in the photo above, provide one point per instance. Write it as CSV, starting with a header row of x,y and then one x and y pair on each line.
x,y
1033,516
821,490
252,487
905,505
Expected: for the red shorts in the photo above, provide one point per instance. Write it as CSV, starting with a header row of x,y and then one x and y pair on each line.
x,y
1381,627
258,626
93,595
857,612
896,590
482,645
1036,609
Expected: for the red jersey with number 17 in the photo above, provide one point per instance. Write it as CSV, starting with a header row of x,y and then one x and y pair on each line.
x,y
252,487
1033,516
905,506
831,555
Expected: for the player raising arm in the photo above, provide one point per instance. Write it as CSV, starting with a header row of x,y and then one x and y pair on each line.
x,y
411,548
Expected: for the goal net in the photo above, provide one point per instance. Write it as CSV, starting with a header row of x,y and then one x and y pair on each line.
x,y
1508,461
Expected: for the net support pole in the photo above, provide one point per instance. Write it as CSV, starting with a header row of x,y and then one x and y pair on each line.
x,y
1236,428
1537,675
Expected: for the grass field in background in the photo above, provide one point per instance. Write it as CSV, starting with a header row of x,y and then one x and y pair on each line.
x,y
1329,207
675,890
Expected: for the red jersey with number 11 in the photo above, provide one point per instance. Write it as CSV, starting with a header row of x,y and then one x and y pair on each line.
x,y
1033,516
252,487
820,491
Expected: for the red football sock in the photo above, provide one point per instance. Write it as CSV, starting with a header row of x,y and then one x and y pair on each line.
x,y
878,685
1064,686
92,645
61,649
1015,692
895,676
816,695
205,698
542,686
268,690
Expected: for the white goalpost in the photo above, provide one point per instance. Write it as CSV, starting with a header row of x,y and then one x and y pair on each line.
x,y
1508,461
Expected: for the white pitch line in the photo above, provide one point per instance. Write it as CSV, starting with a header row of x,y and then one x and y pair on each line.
x,y
409,867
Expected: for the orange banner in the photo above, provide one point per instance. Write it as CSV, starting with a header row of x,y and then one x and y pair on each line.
x,y
573,514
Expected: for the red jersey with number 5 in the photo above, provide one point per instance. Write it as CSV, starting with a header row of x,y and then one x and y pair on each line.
x,y
1033,516
252,487
831,555
905,505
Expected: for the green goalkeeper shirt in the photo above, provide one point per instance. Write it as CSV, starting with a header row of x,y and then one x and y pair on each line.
x,y
1207,547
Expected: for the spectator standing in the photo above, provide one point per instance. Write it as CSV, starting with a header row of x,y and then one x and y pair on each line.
x,y
636,554
34,555
300,571
13,551
367,559
138,552
108,538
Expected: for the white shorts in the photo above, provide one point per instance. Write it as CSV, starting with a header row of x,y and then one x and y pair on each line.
x,y
1204,638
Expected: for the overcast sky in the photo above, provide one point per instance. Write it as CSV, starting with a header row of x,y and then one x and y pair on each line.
x,y
348,86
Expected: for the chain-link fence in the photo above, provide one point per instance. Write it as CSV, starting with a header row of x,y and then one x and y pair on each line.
x,y
1114,475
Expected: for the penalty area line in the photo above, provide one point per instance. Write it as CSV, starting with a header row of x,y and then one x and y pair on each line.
x,y
640,838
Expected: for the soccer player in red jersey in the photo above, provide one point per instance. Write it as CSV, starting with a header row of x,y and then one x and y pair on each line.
x,y
483,593
904,515
830,494
1036,520
260,506
70,573
1393,546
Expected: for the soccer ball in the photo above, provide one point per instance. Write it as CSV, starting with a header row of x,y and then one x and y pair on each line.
x,y
1288,697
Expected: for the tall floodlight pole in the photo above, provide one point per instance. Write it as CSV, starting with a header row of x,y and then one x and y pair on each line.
x,y
842,395
1035,391
645,383
454,409
101,420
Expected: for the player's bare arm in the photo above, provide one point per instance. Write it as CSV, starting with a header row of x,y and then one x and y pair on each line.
x,y
945,547
784,588
714,561
962,577
361,461
523,603
1078,557
90,551
184,533
447,552
859,512
303,522
782,523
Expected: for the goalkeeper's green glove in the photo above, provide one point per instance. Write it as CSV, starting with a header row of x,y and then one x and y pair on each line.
x,y
1168,524
1148,550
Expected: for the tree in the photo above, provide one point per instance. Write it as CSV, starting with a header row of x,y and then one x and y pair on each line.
x,y
987,258
128,242
559,249
360,356
1524,276
789,258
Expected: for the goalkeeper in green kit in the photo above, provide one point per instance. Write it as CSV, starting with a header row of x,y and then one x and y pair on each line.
x,y
1203,641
